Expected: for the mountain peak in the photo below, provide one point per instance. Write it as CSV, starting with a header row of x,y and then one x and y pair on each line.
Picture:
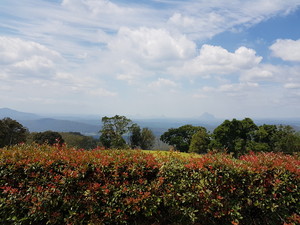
x,y
207,116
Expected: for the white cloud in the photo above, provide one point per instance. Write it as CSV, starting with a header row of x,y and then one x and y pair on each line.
x,y
27,58
204,19
288,50
151,44
231,87
162,82
217,60
262,72
13,50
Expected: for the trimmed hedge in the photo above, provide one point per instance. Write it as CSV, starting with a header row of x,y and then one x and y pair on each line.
x,y
61,185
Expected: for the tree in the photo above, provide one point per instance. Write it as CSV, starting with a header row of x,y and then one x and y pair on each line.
x,y
147,138
264,138
287,140
200,142
234,136
180,137
11,132
135,138
113,129
143,139
276,138
48,137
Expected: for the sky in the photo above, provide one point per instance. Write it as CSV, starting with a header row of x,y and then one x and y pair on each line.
x,y
151,58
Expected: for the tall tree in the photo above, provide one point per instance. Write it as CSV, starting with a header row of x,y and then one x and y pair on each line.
x,y
135,138
11,132
113,129
144,139
147,138
180,137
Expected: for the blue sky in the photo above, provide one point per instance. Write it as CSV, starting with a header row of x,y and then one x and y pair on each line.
x,y
151,58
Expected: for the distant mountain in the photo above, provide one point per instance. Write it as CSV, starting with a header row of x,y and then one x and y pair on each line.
x,y
45,124
16,115
36,123
207,117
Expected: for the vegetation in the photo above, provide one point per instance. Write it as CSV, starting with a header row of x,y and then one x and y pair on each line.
x,y
42,184
236,136
78,140
48,137
200,142
11,132
114,128
181,137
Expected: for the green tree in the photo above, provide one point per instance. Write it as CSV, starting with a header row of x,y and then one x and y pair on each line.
x,y
135,138
147,138
144,139
234,136
48,137
264,138
276,138
200,141
287,140
112,131
180,137
11,132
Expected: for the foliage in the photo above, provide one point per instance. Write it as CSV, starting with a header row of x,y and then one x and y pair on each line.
x,y
60,185
200,142
77,140
180,137
113,129
234,136
135,137
143,139
11,132
48,137
147,138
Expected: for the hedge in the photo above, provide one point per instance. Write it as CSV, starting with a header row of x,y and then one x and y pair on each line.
x,y
61,185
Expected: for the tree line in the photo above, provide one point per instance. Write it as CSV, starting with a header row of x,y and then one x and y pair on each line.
x,y
118,132
236,136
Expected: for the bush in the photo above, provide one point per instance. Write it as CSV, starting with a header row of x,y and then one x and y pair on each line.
x,y
60,185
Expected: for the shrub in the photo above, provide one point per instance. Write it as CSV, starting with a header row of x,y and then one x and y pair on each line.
x,y
42,184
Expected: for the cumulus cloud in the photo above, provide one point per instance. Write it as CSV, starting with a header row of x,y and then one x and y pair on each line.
x,y
217,60
286,49
262,72
26,58
15,50
151,44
